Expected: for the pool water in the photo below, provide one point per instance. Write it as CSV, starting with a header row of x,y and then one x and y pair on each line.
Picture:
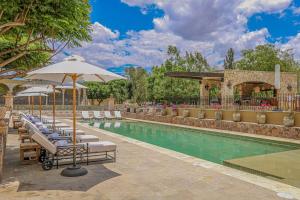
x,y
212,146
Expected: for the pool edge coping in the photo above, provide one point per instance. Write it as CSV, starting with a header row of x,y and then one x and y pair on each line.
x,y
272,185
251,135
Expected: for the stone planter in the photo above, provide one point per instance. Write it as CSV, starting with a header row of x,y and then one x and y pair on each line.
x,y
164,112
261,118
218,115
186,113
201,115
289,120
174,113
236,116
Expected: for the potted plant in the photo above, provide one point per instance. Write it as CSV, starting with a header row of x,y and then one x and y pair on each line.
x,y
236,116
186,113
201,114
174,111
261,117
289,119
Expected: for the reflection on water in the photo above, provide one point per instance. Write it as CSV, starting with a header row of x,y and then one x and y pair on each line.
x,y
212,146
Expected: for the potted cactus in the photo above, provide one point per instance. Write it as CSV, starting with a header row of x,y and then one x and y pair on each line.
x,y
289,120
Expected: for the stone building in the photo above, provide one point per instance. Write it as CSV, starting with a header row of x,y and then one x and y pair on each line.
x,y
241,82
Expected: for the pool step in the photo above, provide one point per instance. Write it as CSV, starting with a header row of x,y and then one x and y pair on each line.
x,y
250,170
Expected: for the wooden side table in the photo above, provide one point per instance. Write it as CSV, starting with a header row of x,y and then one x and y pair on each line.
x,y
29,152
22,131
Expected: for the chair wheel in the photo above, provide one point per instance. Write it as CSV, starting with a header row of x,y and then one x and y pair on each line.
x,y
42,158
47,165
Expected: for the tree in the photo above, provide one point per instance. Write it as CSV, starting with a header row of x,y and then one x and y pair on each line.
x,y
98,91
265,57
229,59
32,31
137,77
119,90
161,88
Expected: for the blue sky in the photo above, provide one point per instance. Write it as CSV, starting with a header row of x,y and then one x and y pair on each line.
x,y
137,32
119,16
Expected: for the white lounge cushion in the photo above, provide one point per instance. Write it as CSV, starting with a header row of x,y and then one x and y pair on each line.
x,y
102,146
39,138
87,138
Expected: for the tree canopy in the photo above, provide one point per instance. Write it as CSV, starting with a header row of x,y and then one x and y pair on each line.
x,y
265,57
32,31
229,59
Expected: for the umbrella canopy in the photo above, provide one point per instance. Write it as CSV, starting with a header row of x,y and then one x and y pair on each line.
x,y
73,69
70,86
61,72
39,83
42,89
36,94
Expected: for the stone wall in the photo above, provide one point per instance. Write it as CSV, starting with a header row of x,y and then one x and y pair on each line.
x,y
244,127
3,136
236,77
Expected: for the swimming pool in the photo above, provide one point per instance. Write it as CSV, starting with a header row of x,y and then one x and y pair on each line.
x,y
212,146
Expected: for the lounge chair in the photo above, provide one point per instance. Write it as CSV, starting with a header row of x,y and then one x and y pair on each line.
x,y
117,124
98,115
107,125
85,115
53,153
108,115
118,115
97,125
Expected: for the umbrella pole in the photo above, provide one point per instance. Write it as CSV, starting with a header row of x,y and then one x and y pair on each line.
x,y
40,107
29,103
53,108
75,170
74,77
32,104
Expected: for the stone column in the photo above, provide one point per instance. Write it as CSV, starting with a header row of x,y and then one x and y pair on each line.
x,y
63,96
9,100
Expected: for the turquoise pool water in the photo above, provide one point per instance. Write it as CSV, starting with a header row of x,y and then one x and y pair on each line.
x,y
211,146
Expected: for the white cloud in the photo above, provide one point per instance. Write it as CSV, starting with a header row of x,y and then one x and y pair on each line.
x,y
255,6
208,26
293,44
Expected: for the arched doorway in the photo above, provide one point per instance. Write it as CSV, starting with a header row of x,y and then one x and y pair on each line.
x,y
255,94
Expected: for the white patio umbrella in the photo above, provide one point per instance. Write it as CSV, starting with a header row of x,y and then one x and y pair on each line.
x,y
73,69
36,94
44,89
68,86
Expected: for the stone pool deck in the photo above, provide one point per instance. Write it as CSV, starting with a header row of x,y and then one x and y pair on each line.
x,y
283,166
141,172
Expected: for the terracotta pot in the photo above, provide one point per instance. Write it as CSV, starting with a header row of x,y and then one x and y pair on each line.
x,y
174,113
261,118
164,112
218,115
236,117
201,115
